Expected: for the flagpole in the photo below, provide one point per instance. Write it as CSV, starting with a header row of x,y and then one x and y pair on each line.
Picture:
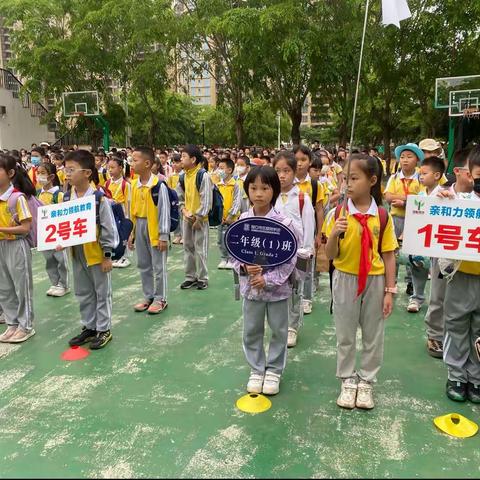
x,y
352,133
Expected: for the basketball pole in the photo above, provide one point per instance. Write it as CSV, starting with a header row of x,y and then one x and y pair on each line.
x,y
354,116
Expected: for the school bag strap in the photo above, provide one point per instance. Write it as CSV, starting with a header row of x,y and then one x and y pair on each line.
x,y
314,191
124,185
301,201
12,203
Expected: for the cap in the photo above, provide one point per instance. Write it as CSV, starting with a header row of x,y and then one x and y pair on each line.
x,y
429,145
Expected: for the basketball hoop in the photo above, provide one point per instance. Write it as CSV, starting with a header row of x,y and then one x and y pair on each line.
x,y
471,112
78,114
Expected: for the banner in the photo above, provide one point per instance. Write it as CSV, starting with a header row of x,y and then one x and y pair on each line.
x,y
260,241
441,228
66,224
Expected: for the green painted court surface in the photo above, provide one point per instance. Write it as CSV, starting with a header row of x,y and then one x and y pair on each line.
x,y
159,401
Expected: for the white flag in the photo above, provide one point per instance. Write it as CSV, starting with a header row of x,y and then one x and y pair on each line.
x,y
393,11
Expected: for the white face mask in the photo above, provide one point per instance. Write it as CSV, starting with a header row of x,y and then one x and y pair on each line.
x,y
241,170
42,179
222,174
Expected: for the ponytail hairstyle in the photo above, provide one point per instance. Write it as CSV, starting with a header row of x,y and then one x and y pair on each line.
x,y
51,170
372,167
87,161
20,180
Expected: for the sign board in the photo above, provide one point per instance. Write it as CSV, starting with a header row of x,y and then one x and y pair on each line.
x,y
66,224
442,228
260,241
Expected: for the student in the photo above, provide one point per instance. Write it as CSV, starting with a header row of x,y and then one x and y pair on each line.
x,y
151,232
462,317
405,182
57,160
120,190
363,280
158,171
101,166
56,261
265,292
431,172
296,205
92,262
166,170
232,196
197,203
37,157
434,319
16,281
172,182
304,158
241,170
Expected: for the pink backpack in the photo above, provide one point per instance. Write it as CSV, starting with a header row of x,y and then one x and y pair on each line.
x,y
33,204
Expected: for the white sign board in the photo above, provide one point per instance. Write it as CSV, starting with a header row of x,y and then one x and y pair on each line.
x,y
66,224
442,228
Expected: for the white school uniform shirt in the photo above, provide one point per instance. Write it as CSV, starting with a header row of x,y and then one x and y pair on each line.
x,y
288,204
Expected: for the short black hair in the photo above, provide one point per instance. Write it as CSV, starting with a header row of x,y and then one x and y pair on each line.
x,y
474,158
316,162
289,157
176,158
86,160
460,157
268,176
245,159
228,162
194,152
146,152
100,153
435,163
303,149
39,150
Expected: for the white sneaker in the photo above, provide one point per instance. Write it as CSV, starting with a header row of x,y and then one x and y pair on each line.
x,y
222,265
271,384
59,291
21,336
413,306
255,383
292,338
347,396
124,262
51,290
365,395
115,263
307,307
7,334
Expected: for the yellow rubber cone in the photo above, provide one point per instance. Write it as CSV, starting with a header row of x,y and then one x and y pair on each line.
x,y
253,403
456,425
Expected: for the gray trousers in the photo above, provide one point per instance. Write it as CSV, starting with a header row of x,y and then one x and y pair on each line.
x,y
398,225
295,312
419,280
308,287
152,264
93,290
462,328
16,283
254,331
195,247
221,241
434,319
366,312
57,267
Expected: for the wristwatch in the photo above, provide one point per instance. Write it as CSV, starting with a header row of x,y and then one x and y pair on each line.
x,y
107,255
393,290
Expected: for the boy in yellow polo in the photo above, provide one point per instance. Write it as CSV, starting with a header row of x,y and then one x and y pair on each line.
x,y
92,262
150,233
232,200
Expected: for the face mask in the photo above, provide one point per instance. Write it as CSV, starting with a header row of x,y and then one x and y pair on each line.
x,y
42,179
476,185
241,170
35,161
222,174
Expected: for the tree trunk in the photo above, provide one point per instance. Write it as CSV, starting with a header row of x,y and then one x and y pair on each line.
x,y
239,129
295,115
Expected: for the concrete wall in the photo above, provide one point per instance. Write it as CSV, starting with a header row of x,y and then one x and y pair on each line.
x,y
18,129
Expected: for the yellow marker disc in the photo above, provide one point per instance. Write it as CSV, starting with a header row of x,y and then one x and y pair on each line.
x,y
253,403
456,425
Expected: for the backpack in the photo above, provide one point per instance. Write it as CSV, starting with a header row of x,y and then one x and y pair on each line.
x,y
383,216
54,196
33,204
172,200
215,216
123,224
314,191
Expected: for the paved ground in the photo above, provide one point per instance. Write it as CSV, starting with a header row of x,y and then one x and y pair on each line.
x,y
160,400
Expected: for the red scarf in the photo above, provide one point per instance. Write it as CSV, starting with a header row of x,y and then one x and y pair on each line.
x,y
365,253
406,185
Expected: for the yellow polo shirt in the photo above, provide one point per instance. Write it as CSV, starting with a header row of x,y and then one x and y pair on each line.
x,y
305,186
395,186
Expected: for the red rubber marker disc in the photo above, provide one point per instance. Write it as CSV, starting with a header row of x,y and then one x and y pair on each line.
x,y
75,353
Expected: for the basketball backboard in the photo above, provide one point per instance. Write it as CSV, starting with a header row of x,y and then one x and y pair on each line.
x,y
444,86
464,103
77,104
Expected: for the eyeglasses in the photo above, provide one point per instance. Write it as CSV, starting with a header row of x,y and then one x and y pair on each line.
x,y
74,170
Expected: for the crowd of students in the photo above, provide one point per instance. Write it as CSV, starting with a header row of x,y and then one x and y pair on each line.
x,y
301,187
